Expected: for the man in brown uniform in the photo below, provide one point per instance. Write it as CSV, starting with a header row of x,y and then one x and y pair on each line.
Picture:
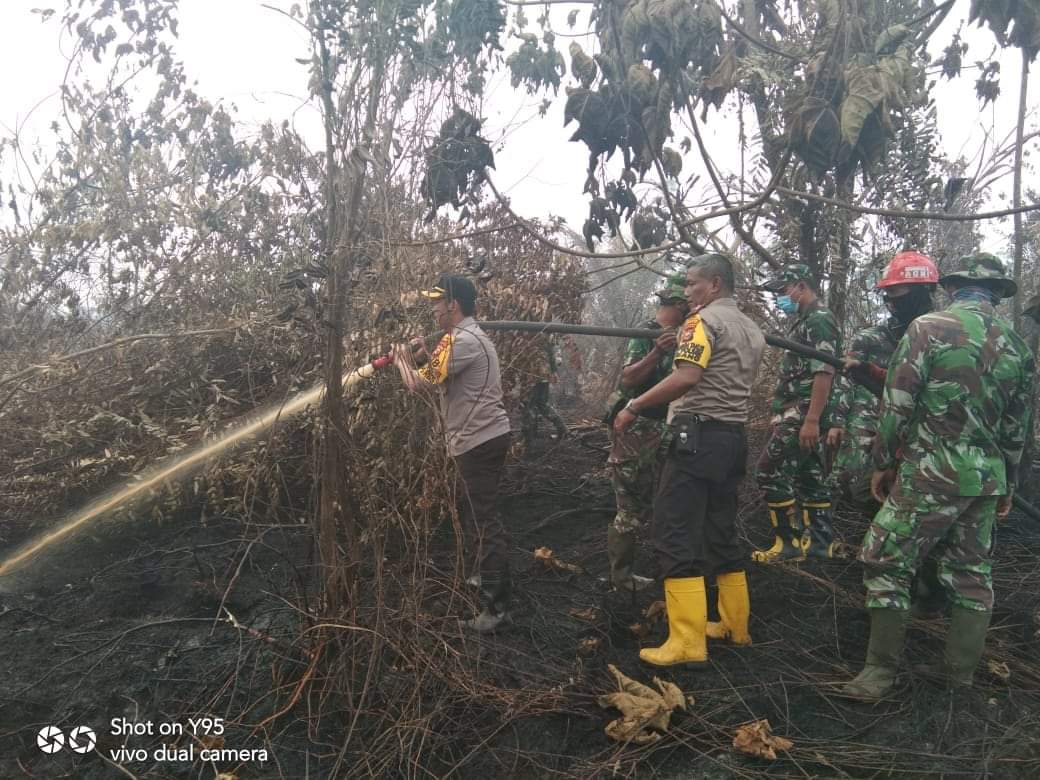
x,y
464,369
694,528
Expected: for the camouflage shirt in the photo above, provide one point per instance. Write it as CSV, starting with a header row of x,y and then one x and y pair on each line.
x,y
956,408
637,350
814,327
854,407
545,369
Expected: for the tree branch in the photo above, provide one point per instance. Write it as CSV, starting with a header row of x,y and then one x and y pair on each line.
x,y
936,215
111,345
734,219
758,41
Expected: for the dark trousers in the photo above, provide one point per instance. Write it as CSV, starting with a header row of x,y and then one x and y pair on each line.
x,y
695,510
476,490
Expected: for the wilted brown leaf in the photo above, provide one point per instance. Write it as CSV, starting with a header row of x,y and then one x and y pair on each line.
x,y
589,646
639,629
630,730
655,611
757,739
645,710
715,88
584,614
550,561
999,669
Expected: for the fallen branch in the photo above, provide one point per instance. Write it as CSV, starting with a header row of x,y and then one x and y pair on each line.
x,y
281,645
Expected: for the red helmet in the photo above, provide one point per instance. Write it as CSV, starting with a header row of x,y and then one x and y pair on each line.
x,y
909,267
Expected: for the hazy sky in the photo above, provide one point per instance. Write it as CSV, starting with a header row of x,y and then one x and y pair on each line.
x,y
243,53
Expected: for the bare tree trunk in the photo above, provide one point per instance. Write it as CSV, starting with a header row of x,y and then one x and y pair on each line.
x,y
841,259
336,509
811,250
332,455
1026,469
1019,142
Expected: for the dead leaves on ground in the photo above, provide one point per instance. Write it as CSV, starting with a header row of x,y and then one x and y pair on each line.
x,y
645,712
589,614
757,739
589,646
651,615
550,561
999,669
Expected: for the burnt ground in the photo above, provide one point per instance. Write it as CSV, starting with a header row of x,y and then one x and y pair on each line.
x,y
132,622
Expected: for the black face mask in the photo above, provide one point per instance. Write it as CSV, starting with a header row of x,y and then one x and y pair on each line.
x,y
906,308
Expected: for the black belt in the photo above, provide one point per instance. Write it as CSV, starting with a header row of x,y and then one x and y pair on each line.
x,y
707,424
719,425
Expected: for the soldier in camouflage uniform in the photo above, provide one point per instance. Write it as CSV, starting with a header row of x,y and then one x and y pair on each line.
x,y
634,455
907,285
954,419
791,467
854,418
539,402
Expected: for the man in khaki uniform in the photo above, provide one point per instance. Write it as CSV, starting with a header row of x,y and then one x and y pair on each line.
x,y
464,370
694,527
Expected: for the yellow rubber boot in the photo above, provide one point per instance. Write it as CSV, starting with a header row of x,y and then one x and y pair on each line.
x,y
788,545
734,609
687,607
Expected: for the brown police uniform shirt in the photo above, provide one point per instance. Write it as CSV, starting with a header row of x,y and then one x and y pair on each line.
x,y
728,345
464,367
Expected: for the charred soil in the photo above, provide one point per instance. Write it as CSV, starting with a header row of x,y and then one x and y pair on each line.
x,y
169,623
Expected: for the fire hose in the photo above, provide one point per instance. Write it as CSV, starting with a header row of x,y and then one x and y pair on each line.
x,y
646,333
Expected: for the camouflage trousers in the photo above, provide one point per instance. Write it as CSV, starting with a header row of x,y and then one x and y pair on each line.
x,y
785,472
635,465
538,404
955,531
852,469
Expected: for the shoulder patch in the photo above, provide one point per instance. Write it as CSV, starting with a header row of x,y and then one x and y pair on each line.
x,y
693,345
436,371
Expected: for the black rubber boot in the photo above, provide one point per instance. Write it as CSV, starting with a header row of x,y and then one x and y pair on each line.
x,y
558,423
496,597
819,521
787,546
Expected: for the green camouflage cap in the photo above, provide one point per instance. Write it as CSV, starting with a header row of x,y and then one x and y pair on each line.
x,y
674,287
789,274
982,266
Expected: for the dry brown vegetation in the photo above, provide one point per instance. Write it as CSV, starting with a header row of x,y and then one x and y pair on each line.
x,y
167,273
